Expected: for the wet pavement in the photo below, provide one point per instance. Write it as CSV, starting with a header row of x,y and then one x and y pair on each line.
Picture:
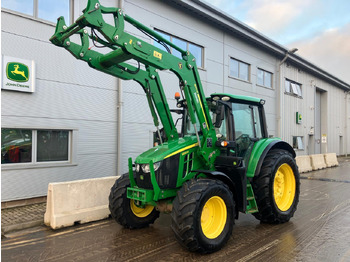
x,y
319,231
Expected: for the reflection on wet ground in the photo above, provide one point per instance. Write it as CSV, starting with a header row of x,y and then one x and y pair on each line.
x,y
319,231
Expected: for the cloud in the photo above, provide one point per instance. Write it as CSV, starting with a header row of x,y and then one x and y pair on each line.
x,y
329,50
270,16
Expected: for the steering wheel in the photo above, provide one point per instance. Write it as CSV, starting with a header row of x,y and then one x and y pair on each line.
x,y
243,137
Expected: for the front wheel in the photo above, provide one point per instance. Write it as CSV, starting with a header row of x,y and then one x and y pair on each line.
x,y
277,187
203,215
125,211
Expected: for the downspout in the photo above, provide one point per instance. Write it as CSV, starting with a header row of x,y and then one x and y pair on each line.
x,y
280,92
119,115
279,102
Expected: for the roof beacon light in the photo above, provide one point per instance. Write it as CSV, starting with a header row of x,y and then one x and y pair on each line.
x,y
177,96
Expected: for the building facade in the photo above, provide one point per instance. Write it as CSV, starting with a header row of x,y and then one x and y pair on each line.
x,y
78,123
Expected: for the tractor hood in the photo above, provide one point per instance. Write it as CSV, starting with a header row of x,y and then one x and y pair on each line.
x,y
160,152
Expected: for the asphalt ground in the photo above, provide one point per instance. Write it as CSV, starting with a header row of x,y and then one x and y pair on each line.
x,y
319,231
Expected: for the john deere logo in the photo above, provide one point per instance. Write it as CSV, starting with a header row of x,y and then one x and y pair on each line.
x,y
17,72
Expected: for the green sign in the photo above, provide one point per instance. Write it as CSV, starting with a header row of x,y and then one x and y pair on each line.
x,y
299,118
17,72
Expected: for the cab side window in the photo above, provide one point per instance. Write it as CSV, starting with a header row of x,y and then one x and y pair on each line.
x,y
247,121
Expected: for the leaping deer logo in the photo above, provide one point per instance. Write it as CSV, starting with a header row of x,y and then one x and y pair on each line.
x,y
17,72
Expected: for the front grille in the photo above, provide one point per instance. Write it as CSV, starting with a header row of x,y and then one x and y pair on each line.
x,y
188,162
166,175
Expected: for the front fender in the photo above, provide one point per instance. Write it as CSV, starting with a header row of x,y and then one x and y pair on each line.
x,y
237,183
260,150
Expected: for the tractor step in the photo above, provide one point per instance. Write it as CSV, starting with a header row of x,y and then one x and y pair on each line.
x,y
252,207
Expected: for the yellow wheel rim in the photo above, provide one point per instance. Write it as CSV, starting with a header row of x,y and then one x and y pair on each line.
x,y
139,211
213,218
284,187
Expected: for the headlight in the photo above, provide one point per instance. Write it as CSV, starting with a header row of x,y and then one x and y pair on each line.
x,y
156,165
137,168
146,169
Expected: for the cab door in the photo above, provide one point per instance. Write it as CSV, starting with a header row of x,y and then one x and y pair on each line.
x,y
247,128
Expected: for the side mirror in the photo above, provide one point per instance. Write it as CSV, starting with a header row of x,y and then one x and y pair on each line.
x,y
219,115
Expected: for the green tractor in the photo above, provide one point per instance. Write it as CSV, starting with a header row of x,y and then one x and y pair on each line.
x,y
222,162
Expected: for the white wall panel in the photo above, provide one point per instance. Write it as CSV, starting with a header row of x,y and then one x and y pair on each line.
x,y
61,100
19,184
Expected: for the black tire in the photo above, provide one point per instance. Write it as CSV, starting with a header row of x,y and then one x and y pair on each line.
x,y
277,207
121,210
187,213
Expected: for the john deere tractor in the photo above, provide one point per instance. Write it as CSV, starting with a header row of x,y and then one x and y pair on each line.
x,y
222,162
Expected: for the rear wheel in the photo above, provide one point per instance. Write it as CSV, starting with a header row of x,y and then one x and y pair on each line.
x,y
277,187
125,211
203,215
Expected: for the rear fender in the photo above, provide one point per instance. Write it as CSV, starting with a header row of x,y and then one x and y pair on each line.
x,y
261,149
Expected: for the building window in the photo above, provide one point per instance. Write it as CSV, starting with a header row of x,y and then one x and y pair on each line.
x,y
239,69
293,88
16,146
298,142
52,145
48,10
264,78
196,50
34,146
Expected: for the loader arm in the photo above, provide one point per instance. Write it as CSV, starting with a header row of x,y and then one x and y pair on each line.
x,y
120,62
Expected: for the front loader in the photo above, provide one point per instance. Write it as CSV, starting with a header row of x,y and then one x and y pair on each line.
x,y
222,162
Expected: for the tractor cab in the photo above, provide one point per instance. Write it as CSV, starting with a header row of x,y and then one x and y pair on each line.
x,y
239,122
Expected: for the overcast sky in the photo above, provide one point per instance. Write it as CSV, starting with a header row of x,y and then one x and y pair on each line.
x,y
320,29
